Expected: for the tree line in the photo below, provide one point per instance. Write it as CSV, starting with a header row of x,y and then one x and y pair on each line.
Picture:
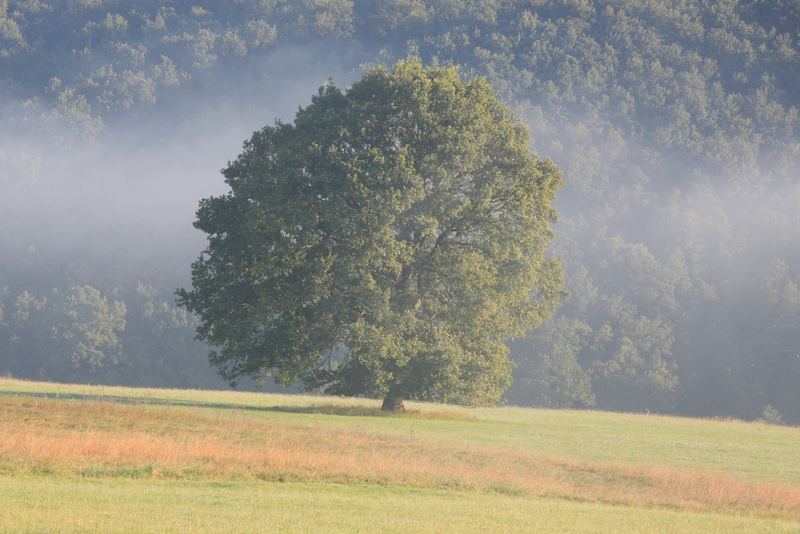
x,y
135,337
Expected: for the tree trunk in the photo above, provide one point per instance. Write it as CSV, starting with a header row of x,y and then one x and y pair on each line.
x,y
393,403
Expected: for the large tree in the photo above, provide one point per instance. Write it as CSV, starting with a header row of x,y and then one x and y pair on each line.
x,y
387,243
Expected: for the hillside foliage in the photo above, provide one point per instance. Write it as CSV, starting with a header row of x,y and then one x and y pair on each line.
x,y
676,123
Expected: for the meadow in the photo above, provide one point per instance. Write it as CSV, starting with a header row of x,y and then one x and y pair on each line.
x,y
78,458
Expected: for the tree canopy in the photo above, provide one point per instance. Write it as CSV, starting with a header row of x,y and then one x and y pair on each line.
x,y
387,243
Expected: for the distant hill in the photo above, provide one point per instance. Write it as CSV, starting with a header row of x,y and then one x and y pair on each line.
x,y
677,125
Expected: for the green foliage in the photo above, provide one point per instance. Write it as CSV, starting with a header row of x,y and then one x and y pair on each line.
x,y
80,334
69,334
549,373
404,221
84,335
159,345
676,125
771,415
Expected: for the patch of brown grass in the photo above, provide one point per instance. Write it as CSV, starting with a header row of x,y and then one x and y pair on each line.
x,y
107,439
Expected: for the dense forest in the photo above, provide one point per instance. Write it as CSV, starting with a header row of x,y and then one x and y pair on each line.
x,y
676,124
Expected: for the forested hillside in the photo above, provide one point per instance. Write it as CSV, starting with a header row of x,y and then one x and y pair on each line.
x,y
676,123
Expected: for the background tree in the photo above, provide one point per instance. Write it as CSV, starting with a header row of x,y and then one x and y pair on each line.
x,y
159,344
403,222
68,335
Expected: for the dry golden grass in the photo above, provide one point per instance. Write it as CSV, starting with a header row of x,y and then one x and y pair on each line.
x,y
98,438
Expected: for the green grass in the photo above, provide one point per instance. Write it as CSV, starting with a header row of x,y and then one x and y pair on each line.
x,y
751,450
594,464
68,505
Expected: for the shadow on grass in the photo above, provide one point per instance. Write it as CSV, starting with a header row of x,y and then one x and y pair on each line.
x,y
324,409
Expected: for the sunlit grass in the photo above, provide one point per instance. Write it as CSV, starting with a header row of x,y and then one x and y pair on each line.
x,y
64,505
88,458
750,451
100,438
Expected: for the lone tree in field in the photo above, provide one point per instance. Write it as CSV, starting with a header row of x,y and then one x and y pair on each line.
x,y
399,226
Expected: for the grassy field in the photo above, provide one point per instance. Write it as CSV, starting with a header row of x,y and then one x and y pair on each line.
x,y
78,458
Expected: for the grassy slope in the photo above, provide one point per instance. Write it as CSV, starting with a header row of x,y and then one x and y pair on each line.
x,y
42,505
649,472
